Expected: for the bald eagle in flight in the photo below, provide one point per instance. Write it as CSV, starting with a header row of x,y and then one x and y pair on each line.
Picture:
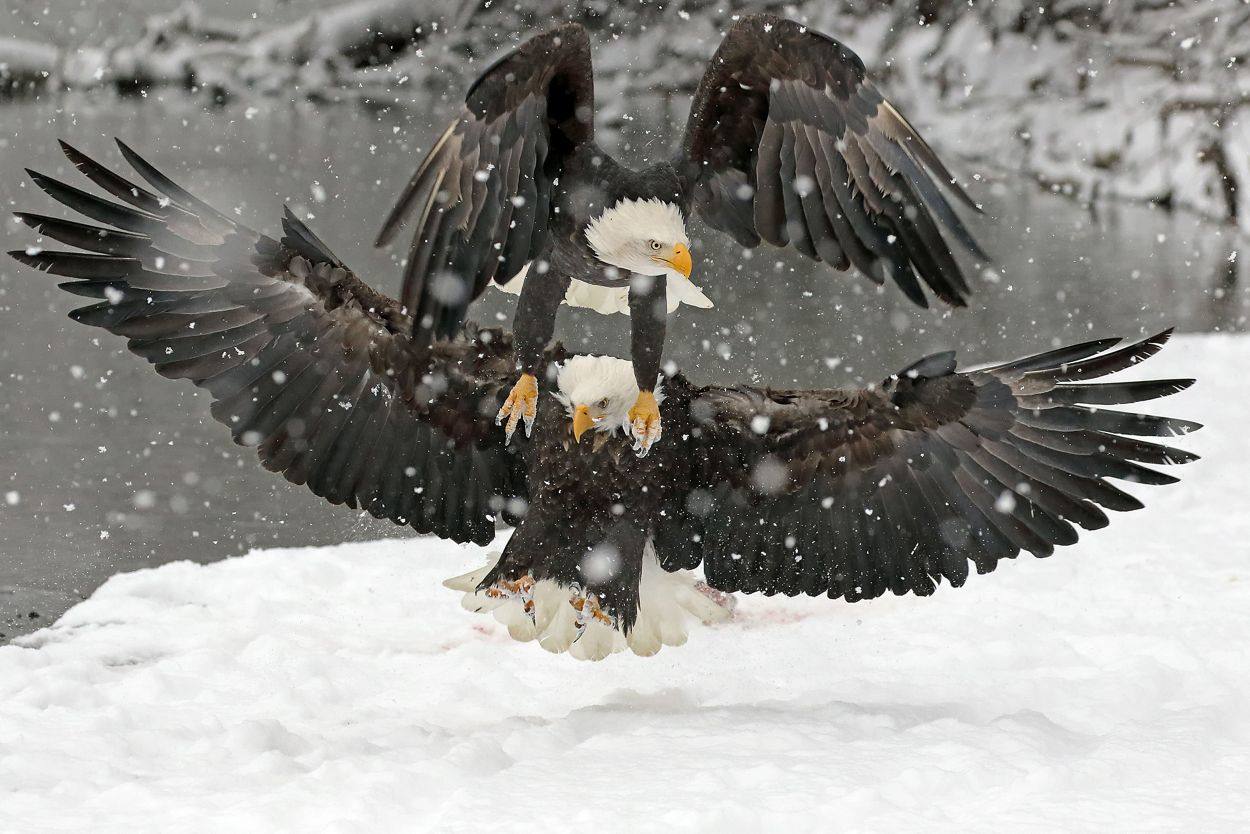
x,y
843,492
788,143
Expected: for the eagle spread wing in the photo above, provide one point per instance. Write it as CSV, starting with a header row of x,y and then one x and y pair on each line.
x,y
482,196
855,492
790,143
304,360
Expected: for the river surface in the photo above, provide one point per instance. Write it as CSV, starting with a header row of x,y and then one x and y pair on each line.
x,y
105,467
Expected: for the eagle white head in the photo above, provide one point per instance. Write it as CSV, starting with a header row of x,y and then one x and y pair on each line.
x,y
597,392
647,237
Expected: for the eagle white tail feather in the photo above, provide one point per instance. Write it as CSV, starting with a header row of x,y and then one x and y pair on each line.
x,y
666,604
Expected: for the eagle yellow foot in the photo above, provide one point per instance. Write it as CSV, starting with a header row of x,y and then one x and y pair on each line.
x,y
588,611
522,404
520,589
644,421
590,634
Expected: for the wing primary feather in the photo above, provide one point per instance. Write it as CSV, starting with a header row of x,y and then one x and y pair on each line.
x,y
104,211
917,146
929,196
1057,358
1098,465
84,236
118,185
825,239
770,211
796,227
217,222
1107,363
408,197
1112,393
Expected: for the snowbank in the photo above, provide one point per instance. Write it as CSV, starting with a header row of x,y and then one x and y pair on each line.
x,y
1137,99
343,689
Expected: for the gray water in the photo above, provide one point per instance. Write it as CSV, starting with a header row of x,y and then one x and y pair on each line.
x,y
105,467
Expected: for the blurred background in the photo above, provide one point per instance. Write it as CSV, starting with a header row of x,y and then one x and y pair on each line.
x,y
1109,144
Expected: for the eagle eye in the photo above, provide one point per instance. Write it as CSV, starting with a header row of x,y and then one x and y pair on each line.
x,y
603,403
655,244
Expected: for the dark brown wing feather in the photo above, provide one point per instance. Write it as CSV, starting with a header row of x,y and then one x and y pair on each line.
x,y
856,492
304,360
482,197
788,142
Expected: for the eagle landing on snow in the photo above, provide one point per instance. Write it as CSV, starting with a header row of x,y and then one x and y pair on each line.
x,y
843,492
788,143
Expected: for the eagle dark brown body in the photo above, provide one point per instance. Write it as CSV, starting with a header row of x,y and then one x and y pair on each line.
x,y
597,496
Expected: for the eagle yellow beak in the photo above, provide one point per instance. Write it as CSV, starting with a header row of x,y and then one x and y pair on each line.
x,y
679,259
582,421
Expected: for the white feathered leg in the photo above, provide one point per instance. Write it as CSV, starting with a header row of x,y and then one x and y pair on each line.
x,y
562,619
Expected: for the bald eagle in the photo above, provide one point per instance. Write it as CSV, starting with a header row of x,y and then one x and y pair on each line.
x,y
788,143
843,492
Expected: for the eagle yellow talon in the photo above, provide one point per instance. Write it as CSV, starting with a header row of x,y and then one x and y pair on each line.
x,y
520,589
522,404
507,588
587,610
644,421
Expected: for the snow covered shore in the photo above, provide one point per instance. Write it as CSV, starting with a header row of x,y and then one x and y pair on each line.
x,y
1137,99
26,64
344,689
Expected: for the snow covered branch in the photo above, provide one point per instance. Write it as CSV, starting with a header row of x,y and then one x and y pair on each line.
x,y
318,53
1140,100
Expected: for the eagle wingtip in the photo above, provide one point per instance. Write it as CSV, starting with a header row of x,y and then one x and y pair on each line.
x,y
393,223
384,238
75,156
132,157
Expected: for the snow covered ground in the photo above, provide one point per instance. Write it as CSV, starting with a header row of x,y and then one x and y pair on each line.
x,y
343,689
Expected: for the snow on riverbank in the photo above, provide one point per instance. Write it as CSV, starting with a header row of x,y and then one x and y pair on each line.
x,y
343,689
1137,100
25,63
